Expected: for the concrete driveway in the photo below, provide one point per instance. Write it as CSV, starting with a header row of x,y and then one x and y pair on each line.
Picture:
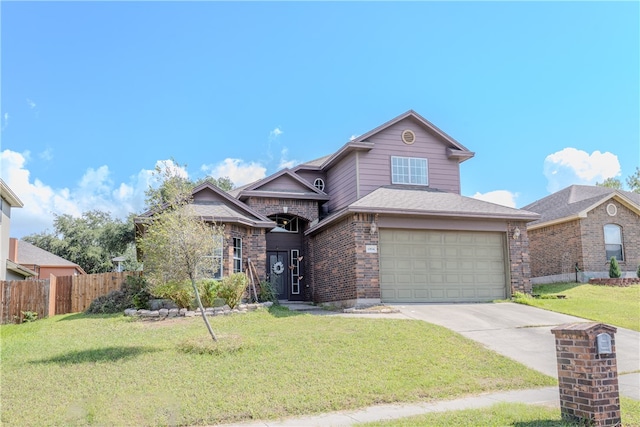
x,y
523,333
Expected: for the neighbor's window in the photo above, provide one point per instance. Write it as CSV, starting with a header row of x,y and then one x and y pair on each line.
x,y
237,255
613,241
409,170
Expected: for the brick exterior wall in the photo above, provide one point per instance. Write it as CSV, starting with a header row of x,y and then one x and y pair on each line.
x,y
333,259
306,209
367,265
557,248
587,381
342,271
254,246
519,260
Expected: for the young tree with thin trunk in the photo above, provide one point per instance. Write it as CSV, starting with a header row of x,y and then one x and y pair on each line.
x,y
177,244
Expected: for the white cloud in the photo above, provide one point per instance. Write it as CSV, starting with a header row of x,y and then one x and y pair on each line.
x,y
46,154
5,121
572,166
352,137
31,104
237,170
94,191
274,134
500,197
284,162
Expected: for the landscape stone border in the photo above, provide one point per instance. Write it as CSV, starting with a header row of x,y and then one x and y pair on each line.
x,y
165,313
622,281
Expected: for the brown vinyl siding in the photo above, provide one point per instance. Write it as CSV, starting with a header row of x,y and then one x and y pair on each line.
x,y
310,177
341,179
375,165
283,183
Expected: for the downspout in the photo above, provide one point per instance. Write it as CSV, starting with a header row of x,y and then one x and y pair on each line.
x,y
357,175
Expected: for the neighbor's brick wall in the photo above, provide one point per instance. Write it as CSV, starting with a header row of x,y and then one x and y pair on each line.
x,y
555,249
595,258
333,258
307,209
520,264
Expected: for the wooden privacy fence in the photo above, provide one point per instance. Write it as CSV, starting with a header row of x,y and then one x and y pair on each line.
x,y
56,295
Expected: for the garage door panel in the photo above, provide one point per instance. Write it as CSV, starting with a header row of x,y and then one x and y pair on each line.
x,y
441,266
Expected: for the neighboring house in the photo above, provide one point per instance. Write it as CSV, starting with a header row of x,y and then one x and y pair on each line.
x,y
580,228
9,270
380,220
42,262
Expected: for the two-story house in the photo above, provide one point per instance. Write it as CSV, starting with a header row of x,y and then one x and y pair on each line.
x,y
380,220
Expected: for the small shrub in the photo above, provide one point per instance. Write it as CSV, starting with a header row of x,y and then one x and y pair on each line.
x,y
132,293
521,298
267,292
209,290
29,316
614,268
114,302
638,272
232,288
181,293
136,287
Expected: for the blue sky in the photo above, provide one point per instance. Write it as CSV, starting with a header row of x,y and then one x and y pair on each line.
x,y
94,94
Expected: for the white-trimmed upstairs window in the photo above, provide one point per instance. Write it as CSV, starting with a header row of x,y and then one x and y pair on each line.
x,y
409,170
613,241
237,255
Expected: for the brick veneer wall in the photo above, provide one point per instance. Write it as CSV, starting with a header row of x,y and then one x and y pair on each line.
x,y
342,270
587,381
557,248
520,266
367,264
307,209
254,246
333,254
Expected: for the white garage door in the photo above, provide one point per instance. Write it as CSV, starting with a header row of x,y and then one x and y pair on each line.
x,y
442,266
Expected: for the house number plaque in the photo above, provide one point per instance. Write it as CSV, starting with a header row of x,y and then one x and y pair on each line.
x,y
372,249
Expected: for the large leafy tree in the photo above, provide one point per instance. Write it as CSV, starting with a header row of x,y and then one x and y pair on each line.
x,y
176,243
90,241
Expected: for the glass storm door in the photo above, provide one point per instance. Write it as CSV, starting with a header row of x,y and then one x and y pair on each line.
x,y
278,273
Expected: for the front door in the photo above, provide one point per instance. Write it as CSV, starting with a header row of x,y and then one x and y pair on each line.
x,y
278,273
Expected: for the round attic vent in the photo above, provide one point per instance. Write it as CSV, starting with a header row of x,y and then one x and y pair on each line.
x,y
319,184
612,210
408,137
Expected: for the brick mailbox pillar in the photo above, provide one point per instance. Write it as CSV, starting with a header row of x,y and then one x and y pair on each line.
x,y
588,373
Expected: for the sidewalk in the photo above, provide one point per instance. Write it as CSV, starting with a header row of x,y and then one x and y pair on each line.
x,y
547,396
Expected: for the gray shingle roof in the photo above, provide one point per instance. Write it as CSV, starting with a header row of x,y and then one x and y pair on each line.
x,y
408,200
573,201
220,211
29,254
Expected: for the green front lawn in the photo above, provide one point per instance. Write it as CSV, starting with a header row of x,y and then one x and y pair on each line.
x,y
615,306
112,370
505,414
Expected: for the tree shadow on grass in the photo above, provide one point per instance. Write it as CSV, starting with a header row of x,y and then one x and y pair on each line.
x,y
280,311
106,354
555,288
